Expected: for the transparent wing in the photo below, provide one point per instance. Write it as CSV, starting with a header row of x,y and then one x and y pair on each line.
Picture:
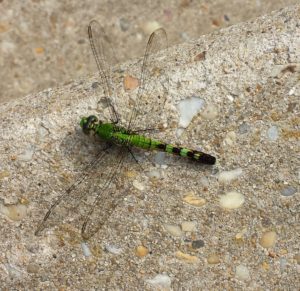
x,y
79,200
106,200
154,84
105,58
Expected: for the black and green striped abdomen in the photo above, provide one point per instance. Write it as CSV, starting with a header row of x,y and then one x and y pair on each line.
x,y
184,152
151,144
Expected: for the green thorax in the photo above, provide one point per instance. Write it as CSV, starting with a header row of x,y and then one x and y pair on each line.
x,y
105,130
119,135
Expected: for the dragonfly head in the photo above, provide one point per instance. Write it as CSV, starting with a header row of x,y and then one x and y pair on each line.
x,y
88,124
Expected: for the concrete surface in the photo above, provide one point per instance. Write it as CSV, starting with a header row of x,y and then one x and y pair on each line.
x,y
157,238
44,43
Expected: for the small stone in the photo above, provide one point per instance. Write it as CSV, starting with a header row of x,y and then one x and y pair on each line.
x,y
200,56
124,24
239,238
242,273
136,184
188,108
283,263
197,244
186,257
15,212
141,251
26,155
210,112
95,85
113,249
288,191
226,177
268,239
86,250
297,258
232,200
273,133
265,266
33,268
131,174
230,138
154,174
191,199
189,226
4,27
173,229
244,128
160,282
39,50
213,259
130,83
4,174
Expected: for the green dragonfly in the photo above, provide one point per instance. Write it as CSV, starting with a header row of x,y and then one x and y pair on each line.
x,y
122,138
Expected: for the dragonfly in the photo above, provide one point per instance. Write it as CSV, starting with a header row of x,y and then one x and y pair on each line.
x,y
122,138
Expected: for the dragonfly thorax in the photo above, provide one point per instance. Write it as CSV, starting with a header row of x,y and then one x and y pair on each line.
x,y
92,125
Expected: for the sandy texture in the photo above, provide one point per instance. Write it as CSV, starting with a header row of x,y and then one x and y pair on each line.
x,y
44,43
169,229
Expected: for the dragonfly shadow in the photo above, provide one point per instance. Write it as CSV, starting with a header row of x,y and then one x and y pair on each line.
x,y
90,190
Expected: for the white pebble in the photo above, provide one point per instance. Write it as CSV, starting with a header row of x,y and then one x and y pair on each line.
x,y
227,176
113,249
242,273
179,132
86,250
154,174
174,230
15,212
273,133
292,91
283,264
160,282
138,185
232,200
189,226
7,47
230,138
188,108
26,155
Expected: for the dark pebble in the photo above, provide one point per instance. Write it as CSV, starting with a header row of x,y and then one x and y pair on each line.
x,y
197,244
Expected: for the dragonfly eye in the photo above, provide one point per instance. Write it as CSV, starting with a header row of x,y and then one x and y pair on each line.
x,y
88,123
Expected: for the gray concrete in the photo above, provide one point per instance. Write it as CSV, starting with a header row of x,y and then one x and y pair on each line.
x,y
249,75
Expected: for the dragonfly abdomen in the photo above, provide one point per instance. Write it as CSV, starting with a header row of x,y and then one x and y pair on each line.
x,y
185,152
151,144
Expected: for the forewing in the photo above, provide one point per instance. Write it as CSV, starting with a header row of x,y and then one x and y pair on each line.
x,y
154,85
104,56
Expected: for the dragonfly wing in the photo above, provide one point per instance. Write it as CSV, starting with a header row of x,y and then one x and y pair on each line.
x,y
105,58
73,201
106,199
154,84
